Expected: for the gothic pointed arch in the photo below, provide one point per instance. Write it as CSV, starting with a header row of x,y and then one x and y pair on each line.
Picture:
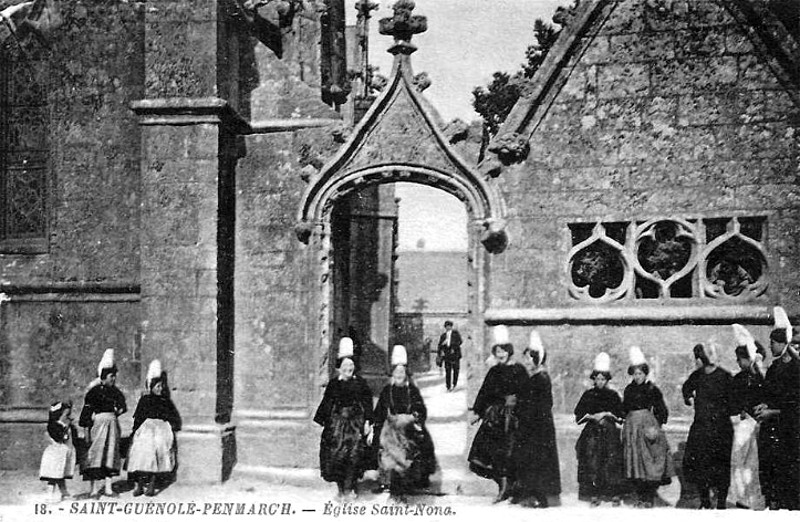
x,y
398,139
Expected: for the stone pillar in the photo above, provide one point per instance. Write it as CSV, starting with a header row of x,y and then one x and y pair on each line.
x,y
373,230
187,217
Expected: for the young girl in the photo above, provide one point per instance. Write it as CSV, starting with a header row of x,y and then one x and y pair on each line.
x,y
707,461
406,448
103,404
747,393
647,458
345,413
536,475
154,423
599,449
490,455
58,459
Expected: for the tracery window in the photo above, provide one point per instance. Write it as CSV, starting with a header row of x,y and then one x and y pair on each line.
x,y
24,129
675,258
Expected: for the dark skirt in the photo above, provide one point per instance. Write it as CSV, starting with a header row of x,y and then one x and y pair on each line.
x,y
406,453
491,453
599,452
342,447
535,457
707,461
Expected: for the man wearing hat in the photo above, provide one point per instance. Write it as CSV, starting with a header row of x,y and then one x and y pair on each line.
x,y
449,353
779,418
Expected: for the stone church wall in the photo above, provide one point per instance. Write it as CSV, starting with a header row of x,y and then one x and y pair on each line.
x,y
77,299
662,114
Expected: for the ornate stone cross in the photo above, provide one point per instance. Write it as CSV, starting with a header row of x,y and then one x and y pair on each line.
x,y
402,26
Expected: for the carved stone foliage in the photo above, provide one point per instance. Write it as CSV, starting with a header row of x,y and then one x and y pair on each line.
x,y
401,137
716,258
510,148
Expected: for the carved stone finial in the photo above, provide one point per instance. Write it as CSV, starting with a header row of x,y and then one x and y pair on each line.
x,y
494,237
402,26
510,148
365,6
564,15
422,81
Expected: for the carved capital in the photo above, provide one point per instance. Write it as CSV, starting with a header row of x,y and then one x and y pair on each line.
x,y
491,166
308,172
303,231
510,148
494,237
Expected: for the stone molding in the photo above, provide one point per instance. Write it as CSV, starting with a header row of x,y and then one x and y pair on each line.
x,y
746,314
25,415
73,291
197,111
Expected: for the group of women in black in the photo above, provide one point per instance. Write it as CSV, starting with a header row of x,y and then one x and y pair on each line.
x,y
745,436
744,443
391,437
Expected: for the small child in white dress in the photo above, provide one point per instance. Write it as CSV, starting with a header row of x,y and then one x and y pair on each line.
x,y
58,459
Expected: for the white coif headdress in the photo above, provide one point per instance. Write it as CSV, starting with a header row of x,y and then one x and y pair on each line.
x,y
345,348
399,355
602,362
153,372
535,345
500,334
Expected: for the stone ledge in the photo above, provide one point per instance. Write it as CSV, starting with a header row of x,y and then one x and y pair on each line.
x,y
188,111
751,314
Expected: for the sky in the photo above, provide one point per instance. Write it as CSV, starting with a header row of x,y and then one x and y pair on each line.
x,y
466,42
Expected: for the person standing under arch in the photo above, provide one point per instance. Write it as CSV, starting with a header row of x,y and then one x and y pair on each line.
x,y
449,352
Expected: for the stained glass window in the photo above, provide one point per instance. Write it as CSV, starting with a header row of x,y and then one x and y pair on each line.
x,y
24,129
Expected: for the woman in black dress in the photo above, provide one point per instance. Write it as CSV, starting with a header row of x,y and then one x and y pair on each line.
x,y
102,406
599,448
537,475
647,458
491,451
406,455
707,461
345,414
